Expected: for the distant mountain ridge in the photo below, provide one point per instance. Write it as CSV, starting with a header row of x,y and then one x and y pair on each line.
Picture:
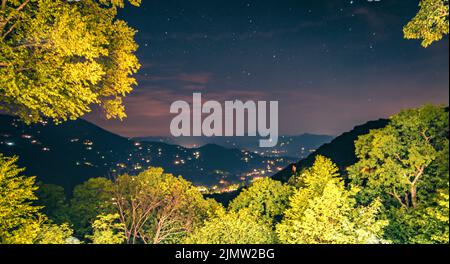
x,y
74,151
296,147
340,150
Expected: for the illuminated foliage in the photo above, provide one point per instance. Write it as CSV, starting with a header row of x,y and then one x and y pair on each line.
x,y
324,211
430,24
20,220
52,199
406,164
265,197
108,230
159,208
241,227
16,197
58,58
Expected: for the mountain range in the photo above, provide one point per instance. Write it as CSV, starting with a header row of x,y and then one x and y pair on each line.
x,y
340,150
72,152
297,147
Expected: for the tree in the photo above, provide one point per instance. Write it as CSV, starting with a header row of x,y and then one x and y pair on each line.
x,y
108,230
405,164
57,58
325,211
424,225
409,153
16,197
156,207
20,220
52,199
438,224
322,169
90,199
40,230
266,197
430,24
242,227
399,162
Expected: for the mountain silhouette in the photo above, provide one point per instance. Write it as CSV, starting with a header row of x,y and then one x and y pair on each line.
x,y
297,147
72,152
340,150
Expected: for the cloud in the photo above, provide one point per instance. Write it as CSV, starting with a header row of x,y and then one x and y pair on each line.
x,y
191,78
371,17
197,78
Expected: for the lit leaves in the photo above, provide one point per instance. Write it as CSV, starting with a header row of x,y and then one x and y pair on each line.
x,y
60,58
431,22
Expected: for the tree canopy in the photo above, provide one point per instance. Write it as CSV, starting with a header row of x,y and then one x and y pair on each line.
x,y
52,199
107,230
58,58
20,220
430,24
406,164
157,207
323,210
90,199
16,197
266,197
242,227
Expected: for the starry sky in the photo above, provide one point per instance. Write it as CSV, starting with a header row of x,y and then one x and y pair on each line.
x,y
331,64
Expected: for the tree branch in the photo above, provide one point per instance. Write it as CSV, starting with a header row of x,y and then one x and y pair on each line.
x,y
12,14
9,30
398,198
419,173
427,138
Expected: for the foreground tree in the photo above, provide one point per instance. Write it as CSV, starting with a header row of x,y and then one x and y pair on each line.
x,y
438,219
52,199
20,220
423,225
323,210
406,164
57,58
16,197
90,199
156,207
108,230
266,197
242,227
41,231
430,24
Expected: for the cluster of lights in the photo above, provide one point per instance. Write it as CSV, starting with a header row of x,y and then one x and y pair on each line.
x,y
223,185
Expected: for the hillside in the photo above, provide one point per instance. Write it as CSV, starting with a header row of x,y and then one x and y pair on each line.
x,y
341,150
297,147
70,153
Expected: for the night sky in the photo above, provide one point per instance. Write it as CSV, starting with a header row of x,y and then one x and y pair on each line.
x,y
330,64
